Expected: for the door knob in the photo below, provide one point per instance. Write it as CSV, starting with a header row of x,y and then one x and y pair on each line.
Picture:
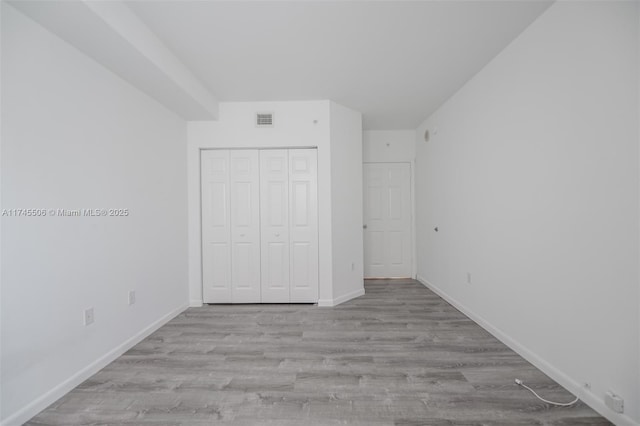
x,y
364,226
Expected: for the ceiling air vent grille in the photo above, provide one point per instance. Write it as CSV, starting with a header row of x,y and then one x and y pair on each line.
x,y
264,119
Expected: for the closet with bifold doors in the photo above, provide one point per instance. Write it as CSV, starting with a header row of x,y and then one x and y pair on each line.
x,y
259,220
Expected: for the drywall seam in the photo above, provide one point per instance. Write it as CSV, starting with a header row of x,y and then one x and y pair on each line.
x,y
556,374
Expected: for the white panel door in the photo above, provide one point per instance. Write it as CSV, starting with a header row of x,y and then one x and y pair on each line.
x,y
245,226
216,227
303,226
387,220
274,221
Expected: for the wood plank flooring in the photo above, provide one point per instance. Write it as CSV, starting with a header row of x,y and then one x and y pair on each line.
x,y
399,355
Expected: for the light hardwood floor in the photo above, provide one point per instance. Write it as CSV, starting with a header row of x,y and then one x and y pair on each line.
x,y
399,355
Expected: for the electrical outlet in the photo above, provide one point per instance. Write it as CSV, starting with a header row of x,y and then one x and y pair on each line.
x,y
132,297
88,316
468,277
353,266
613,401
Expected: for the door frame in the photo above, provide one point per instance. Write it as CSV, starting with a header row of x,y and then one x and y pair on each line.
x,y
412,210
200,252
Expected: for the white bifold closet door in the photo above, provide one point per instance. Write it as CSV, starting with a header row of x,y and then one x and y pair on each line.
x,y
259,226
289,225
231,226
216,227
303,226
245,226
274,227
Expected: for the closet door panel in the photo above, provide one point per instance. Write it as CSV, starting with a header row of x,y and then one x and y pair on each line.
x,y
274,232
276,264
303,207
216,226
245,225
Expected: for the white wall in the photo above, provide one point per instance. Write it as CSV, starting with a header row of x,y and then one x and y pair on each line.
x,y
76,136
532,179
297,124
388,146
346,196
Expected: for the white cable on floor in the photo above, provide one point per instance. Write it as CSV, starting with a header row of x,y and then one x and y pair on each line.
x,y
559,404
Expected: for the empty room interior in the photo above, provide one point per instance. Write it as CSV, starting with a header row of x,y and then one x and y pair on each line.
x,y
320,212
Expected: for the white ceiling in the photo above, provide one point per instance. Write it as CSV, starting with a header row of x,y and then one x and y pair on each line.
x,y
394,61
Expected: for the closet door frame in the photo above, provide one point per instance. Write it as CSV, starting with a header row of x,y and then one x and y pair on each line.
x,y
297,287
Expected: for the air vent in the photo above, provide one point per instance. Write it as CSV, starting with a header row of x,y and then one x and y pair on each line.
x,y
264,119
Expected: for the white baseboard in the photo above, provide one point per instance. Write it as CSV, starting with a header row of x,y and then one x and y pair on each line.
x,y
195,303
328,303
27,412
567,382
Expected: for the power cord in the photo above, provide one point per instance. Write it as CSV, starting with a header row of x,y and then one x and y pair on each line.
x,y
559,404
